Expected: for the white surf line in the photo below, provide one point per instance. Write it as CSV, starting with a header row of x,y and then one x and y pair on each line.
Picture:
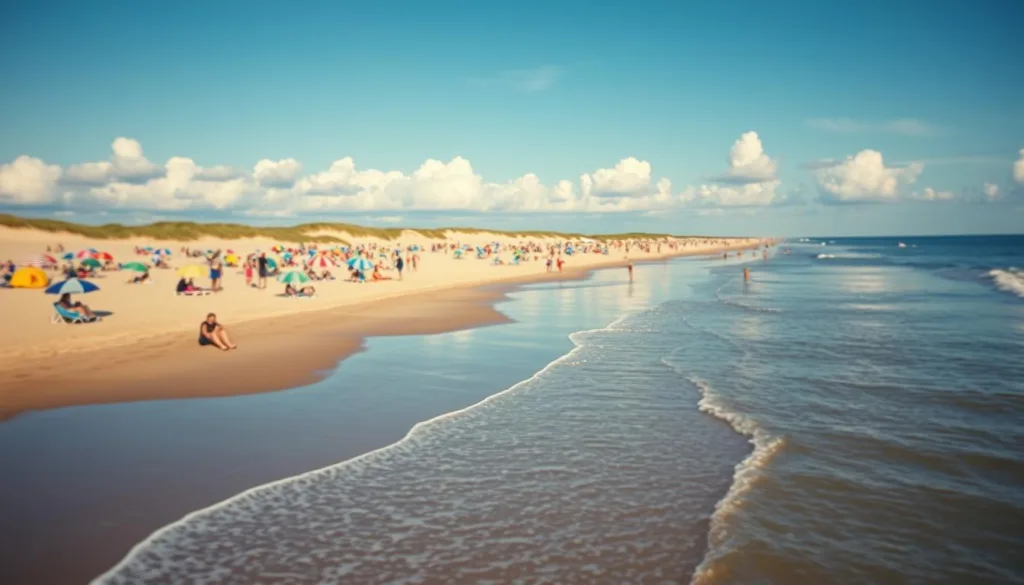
x,y
139,548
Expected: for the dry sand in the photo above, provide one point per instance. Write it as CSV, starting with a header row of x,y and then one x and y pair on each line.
x,y
146,347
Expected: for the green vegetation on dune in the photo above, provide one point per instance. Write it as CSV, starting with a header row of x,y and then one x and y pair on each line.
x,y
310,232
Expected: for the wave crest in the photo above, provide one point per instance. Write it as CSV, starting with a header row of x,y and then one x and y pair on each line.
x,y
745,476
1010,280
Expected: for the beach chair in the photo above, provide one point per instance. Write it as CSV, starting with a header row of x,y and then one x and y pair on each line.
x,y
62,315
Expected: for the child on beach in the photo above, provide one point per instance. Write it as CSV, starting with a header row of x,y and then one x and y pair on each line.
x,y
248,273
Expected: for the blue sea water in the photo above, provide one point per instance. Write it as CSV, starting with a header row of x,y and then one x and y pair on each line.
x,y
854,413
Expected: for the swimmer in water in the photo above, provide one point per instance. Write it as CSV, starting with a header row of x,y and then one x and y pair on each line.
x,y
746,274
629,267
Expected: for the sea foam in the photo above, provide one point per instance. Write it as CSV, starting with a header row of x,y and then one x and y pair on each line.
x,y
1010,280
746,474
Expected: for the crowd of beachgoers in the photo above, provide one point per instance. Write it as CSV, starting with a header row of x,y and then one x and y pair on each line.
x,y
302,263
221,270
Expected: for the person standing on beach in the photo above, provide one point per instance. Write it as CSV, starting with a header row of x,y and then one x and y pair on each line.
x,y
262,263
248,272
560,263
399,264
216,269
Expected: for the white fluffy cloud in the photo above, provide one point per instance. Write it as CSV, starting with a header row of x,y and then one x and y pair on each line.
x,y
750,181
863,178
992,192
1018,168
278,188
748,162
28,180
279,173
127,164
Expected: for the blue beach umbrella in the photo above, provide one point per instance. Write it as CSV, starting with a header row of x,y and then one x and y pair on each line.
x,y
72,286
68,256
361,264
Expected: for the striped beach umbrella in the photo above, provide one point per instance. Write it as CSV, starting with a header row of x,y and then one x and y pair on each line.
x,y
72,286
361,264
40,260
322,261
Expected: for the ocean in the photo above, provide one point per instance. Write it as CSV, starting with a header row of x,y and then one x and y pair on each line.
x,y
854,413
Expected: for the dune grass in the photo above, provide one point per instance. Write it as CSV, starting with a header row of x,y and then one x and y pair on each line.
x,y
310,233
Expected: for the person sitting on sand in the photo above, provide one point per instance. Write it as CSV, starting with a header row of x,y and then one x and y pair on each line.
x,y
213,333
140,279
326,275
65,301
185,285
306,291
377,276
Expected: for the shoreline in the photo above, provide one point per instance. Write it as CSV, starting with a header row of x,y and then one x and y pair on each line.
x,y
167,365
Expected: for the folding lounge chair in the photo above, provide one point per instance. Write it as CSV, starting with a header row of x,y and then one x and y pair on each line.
x,y
62,315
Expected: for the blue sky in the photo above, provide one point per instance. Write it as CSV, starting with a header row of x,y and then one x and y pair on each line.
x,y
601,102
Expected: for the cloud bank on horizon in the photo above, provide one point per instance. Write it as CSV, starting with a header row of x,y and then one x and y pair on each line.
x,y
128,180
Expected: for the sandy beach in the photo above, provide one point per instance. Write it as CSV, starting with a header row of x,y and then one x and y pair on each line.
x,y
146,347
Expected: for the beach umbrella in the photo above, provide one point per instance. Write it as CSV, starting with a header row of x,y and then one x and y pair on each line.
x,y
163,251
361,264
193,271
322,261
231,258
91,263
68,256
72,286
41,260
84,254
271,263
104,256
293,277
135,267
29,277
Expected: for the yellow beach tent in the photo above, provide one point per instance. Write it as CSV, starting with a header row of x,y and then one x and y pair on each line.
x,y
29,277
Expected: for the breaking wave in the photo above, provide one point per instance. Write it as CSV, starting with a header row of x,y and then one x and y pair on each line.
x,y
1010,280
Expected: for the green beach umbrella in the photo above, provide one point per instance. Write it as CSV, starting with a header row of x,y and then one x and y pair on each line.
x,y
91,263
293,277
135,266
